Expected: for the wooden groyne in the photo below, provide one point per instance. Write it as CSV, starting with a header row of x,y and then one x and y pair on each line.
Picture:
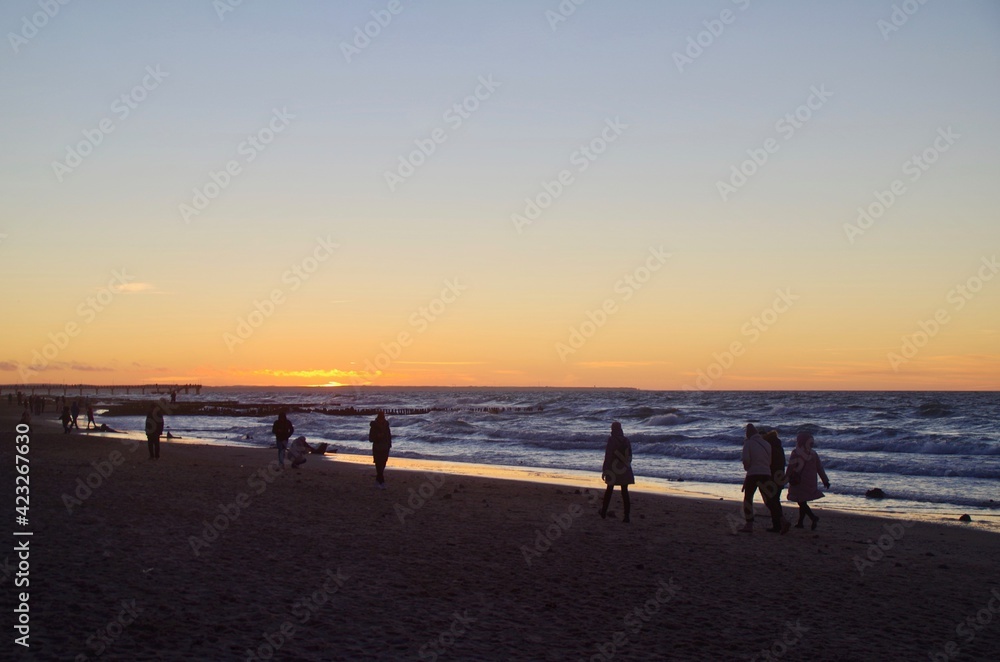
x,y
83,389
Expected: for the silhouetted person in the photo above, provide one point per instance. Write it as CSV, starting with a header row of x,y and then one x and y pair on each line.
x,y
75,411
282,430
804,467
381,438
90,417
757,462
154,428
772,490
617,469
26,415
67,420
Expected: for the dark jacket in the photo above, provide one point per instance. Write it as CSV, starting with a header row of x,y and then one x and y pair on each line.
x,y
777,457
282,429
380,436
617,468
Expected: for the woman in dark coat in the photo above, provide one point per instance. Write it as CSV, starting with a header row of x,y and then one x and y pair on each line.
x,y
381,438
617,469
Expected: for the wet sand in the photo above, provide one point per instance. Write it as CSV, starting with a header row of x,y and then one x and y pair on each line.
x,y
211,553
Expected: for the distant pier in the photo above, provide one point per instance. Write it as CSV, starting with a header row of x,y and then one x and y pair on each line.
x,y
83,389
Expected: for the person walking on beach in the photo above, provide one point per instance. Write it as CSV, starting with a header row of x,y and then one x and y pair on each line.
x,y
282,431
75,411
67,420
804,467
380,436
757,462
777,463
154,428
90,416
617,469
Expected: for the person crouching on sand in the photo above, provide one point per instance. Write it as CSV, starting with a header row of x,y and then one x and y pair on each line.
x,y
282,431
757,462
381,438
617,469
804,467
297,451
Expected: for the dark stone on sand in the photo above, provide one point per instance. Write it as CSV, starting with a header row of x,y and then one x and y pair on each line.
x,y
964,518
875,493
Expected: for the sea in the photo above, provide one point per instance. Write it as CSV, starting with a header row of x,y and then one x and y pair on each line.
x,y
927,451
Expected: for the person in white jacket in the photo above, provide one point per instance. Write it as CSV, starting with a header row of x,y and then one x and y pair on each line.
x,y
757,462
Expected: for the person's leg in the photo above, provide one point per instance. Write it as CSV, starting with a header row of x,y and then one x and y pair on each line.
x,y
803,511
812,516
607,500
281,454
749,488
156,447
380,461
149,445
769,492
627,502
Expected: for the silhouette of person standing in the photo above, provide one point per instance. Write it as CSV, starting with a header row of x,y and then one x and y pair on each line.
x,y
757,458
75,411
381,438
154,428
617,469
282,430
67,420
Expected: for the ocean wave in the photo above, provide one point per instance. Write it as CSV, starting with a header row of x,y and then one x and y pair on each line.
x,y
934,410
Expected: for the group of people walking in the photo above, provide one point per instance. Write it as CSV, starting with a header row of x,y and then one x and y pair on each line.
x,y
764,462
766,471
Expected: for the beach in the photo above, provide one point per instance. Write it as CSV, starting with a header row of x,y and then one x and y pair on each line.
x,y
212,553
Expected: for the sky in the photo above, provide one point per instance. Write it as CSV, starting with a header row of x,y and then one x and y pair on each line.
x,y
722,194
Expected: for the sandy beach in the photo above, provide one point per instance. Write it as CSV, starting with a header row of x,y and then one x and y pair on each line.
x,y
211,553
